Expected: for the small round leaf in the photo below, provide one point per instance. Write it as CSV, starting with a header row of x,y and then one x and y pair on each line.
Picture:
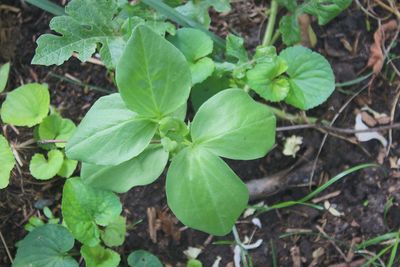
x,y
142,258
54,127
43,169
7,162
27,105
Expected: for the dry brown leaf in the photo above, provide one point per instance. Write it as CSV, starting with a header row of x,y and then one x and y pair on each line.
x,y
377,58
169,225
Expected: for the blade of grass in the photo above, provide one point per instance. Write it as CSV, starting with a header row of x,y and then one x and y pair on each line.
x,y
394,252
48,6
182,20
316,191
377,240
355,81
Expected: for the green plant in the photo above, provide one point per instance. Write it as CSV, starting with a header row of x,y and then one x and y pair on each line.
x,y
127,138
323,10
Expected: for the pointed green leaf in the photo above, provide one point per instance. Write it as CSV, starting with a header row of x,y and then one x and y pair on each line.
x,y
140,170
84,208
114,233
54,127
310,76
142,258
100,257
46,246
27,105
4,72
153,77
7,162
325,10
43,169
203,192
110,134
67,168
86,24
232,125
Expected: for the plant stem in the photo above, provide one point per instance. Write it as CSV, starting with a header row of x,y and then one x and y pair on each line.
x,y
271,23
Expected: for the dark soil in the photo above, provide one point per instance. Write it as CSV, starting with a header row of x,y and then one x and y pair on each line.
x,y
361,196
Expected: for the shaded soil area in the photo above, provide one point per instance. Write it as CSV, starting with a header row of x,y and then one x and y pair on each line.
x,y
300,233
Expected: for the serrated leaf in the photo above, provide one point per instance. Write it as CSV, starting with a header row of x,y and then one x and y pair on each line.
x,y
237,129
7,162
27,105
310,76
114,233
54,127
290,29
45,169
235,48
46,246
198,10
264,79
325,10
153,77
142,258
141,170
100,257
110,133
203,192
86,24
4,72
289,4
67,168
84,208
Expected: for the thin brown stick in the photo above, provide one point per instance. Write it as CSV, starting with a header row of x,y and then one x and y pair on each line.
x,y
6,248
333,129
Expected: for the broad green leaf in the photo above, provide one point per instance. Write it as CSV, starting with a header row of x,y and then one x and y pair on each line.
x,y
290,29
27,105
86,24
153,77
141,170
194,263
198,10
114,233
84,208
142,258
289,4
195,46
46,246
202,69
235,48
325,10
100,257
7,162
232,125
203,192
193,43
54,127
4,72
310,76
45,169
110,134
264,79
67,168
211,86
